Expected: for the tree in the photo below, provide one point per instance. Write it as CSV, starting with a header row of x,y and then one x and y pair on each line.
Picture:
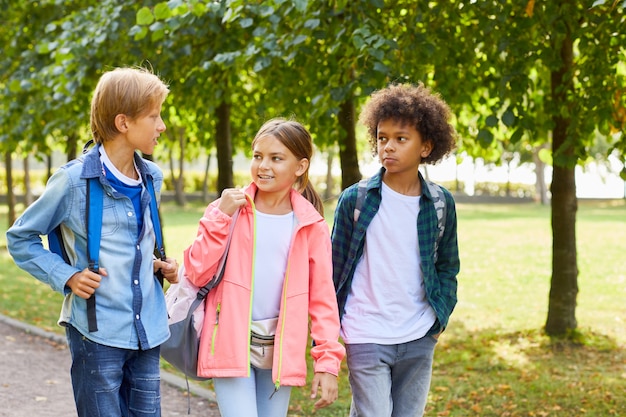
x,y
573,51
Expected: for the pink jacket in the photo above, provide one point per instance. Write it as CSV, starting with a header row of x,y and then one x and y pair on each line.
x,y
308,292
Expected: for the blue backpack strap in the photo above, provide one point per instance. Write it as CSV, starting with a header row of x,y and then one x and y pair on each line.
x,y
93,221
156,222
56,245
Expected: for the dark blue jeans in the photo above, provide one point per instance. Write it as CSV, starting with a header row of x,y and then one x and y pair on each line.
x,y
113,382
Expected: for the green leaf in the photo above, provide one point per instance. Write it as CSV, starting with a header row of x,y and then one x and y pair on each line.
x,y
380,67
246,23
312,23
162,11
508,118
14,86
491,121
199,9
485,138
545,155
140,32
144,16
261,63
517,135
299,39
301,5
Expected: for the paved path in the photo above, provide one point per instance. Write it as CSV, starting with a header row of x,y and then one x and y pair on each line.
x,y
35,378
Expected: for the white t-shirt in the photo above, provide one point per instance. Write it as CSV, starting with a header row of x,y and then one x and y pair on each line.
x,y
387,301
104,158
273,237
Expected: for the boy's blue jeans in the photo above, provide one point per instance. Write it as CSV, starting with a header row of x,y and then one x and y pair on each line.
x,y
113,382
390,380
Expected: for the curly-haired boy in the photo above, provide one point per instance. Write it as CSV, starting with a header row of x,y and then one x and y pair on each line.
x,y
395,257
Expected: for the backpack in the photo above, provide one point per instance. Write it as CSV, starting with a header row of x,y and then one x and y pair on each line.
x,y
439,199
93,224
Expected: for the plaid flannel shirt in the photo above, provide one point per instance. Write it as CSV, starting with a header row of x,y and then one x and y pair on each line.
x,y
348,239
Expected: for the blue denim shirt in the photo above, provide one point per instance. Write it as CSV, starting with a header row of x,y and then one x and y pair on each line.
x,y
130,306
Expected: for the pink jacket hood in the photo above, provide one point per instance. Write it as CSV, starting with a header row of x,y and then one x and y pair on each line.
x,y
308,297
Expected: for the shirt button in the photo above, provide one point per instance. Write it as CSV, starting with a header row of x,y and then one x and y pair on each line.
x,y
137,247
136,282
130,214
137,316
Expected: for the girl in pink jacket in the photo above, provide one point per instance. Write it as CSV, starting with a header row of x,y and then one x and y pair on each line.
x,y
278,271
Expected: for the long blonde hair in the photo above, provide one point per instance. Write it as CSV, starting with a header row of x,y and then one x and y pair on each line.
x,y
298,140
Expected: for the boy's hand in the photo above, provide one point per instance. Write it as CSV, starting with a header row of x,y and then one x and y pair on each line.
x,y
327,383
169,269
85,282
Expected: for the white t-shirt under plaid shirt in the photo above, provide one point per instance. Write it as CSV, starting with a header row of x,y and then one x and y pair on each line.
x,y
387,302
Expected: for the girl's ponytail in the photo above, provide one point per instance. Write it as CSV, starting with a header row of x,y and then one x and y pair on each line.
x,y
310,194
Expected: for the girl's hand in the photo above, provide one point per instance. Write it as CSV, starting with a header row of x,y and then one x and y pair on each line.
x,y
231,200
169,269
85,282
327,383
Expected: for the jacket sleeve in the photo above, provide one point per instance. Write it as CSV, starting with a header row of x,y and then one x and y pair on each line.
x,y
343,224
40,218
448,262
327,352
202,257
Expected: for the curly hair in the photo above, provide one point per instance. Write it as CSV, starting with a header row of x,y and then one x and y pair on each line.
x,y
417,106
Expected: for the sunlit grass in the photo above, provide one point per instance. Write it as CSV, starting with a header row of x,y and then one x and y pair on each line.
x,y
493,360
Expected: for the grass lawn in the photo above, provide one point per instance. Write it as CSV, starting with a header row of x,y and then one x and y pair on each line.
x,y
493,359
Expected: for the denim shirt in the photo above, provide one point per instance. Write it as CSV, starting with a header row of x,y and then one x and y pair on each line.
x,y
440,276
130,306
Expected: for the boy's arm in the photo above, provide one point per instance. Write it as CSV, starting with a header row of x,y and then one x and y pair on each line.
x,y
448,262
40,218
343,223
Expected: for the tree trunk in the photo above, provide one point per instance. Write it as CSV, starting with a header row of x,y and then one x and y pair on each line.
x,y
564,284
170,159
349,162
28,189
508,177
179,184
541,190
8,164
72,147
224,148
330,181
48,165
205,181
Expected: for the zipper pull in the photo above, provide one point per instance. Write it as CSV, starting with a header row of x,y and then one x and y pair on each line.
x,y
276,388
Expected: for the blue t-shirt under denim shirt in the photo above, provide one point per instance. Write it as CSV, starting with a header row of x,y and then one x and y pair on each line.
x,y
131,191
